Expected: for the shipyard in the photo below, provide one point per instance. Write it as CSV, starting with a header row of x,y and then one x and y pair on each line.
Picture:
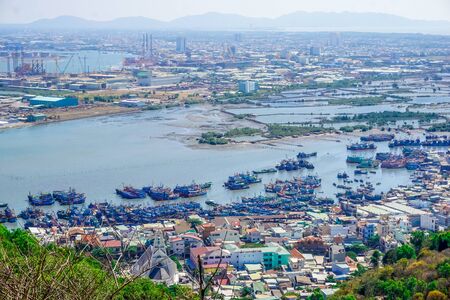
x,y
224,156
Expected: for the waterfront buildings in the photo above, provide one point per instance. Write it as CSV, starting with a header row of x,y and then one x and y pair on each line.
x,y
53,102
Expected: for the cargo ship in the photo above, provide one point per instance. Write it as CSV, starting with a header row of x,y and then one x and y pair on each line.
x,y
361,146
41,200
129,192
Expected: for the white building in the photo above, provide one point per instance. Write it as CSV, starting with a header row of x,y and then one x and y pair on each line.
x,y
428,222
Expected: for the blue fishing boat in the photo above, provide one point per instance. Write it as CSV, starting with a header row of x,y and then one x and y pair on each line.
x,y
161,193
306,155
361,146
189,191
41,200
70,197
129,192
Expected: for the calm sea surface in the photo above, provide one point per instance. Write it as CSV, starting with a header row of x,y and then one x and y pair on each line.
x,y
97,155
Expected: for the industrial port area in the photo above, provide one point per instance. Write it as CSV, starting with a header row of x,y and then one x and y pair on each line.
x,y
238,164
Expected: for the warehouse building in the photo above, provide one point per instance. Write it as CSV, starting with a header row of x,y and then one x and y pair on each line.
x,y
51,102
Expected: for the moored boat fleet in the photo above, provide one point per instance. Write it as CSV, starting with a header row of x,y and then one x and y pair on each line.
x,y
297,194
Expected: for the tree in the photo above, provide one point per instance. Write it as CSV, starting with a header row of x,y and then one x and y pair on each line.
x,y
316,295
436,295
417,239
418,296
375,259
443,269
373,241
390,257
405,251
352,255
440,241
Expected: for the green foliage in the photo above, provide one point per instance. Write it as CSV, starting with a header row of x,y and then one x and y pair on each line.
x,y
373,241
355,127
417,239
427,277
352,255
357,248
278,130
382,118
177,262
244,131
212,138
442,127
31,271
362,101
440,241
443,269
405,251
316,295
375,258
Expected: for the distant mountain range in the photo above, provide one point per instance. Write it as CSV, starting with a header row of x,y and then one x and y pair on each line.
x,y
219,21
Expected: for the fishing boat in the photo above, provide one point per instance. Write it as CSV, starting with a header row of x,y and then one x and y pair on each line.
x,y
361,146
265,171
406,142
2,205
206,185
129,192
354,159
241,181
305,164
161,193
382,137
306,155
342,175
211,203
189,191
70,197
360,172
41,200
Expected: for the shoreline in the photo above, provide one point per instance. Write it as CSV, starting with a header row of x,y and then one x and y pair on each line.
x,y
72,117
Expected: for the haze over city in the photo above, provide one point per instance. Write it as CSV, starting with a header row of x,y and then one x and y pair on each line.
x,y
23,11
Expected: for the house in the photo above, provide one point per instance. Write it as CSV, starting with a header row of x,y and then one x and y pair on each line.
x,y
312,244
340,268
224,235
156,264
252,235
337,253
180,245
272,256
206,229
209,257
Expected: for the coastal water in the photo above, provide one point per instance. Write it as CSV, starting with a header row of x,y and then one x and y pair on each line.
x,y
76,62
97,155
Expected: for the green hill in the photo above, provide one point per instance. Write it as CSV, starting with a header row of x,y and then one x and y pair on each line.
x,y
417,271
31,271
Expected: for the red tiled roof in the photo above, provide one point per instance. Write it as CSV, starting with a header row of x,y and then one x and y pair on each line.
x,y
112,244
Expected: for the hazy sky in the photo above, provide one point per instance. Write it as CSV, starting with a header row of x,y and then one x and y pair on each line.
x,y
22,11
